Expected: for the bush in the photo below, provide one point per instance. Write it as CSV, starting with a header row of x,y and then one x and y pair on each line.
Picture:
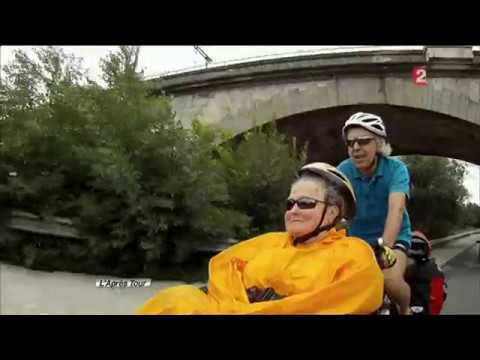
x,y
259,168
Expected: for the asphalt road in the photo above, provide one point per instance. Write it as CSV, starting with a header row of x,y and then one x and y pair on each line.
x,y
28,292
463,278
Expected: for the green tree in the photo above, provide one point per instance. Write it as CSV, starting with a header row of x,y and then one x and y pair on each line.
x,y
37,127
114,159
438,194
260,167
470,215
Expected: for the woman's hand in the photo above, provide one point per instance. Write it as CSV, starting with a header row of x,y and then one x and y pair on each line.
x,y
256,294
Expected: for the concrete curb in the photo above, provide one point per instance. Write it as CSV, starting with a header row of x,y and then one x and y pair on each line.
x,y
441,241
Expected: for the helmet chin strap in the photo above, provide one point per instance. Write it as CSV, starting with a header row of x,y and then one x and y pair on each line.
x,y
318,230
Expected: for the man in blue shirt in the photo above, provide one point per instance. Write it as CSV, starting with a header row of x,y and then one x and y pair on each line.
x,y
382,187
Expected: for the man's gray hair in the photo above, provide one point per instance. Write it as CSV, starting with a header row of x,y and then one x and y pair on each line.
x,y
383,147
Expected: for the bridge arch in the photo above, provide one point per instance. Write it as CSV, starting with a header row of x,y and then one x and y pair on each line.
x,y
411,131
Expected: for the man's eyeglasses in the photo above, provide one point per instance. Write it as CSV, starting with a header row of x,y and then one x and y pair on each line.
x,y
359,141
303,203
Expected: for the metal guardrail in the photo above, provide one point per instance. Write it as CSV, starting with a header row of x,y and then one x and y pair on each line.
x,y
54,226
64,228
477,244
441,241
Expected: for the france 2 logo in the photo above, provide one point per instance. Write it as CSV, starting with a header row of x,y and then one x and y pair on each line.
x,y
419,75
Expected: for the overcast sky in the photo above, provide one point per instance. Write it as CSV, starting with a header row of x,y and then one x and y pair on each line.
x,y
159,59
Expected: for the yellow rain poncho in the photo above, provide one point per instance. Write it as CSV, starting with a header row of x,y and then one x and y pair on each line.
x,y
336,275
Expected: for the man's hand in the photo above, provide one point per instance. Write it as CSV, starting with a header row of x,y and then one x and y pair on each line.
x,y
386,257
390,258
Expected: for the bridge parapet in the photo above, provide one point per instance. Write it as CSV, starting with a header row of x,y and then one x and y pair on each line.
x,y
323,66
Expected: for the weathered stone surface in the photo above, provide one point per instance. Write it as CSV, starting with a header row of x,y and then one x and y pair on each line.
x,y
295,89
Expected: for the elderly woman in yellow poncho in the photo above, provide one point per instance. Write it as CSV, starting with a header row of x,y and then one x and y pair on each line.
x,y
312,268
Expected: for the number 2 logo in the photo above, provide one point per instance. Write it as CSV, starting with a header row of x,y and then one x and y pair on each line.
x,y
419,75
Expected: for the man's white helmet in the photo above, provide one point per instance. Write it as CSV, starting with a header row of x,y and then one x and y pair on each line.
x,y
370,122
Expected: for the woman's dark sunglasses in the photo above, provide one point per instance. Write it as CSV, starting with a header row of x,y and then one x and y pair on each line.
x,y
359,141
303,203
